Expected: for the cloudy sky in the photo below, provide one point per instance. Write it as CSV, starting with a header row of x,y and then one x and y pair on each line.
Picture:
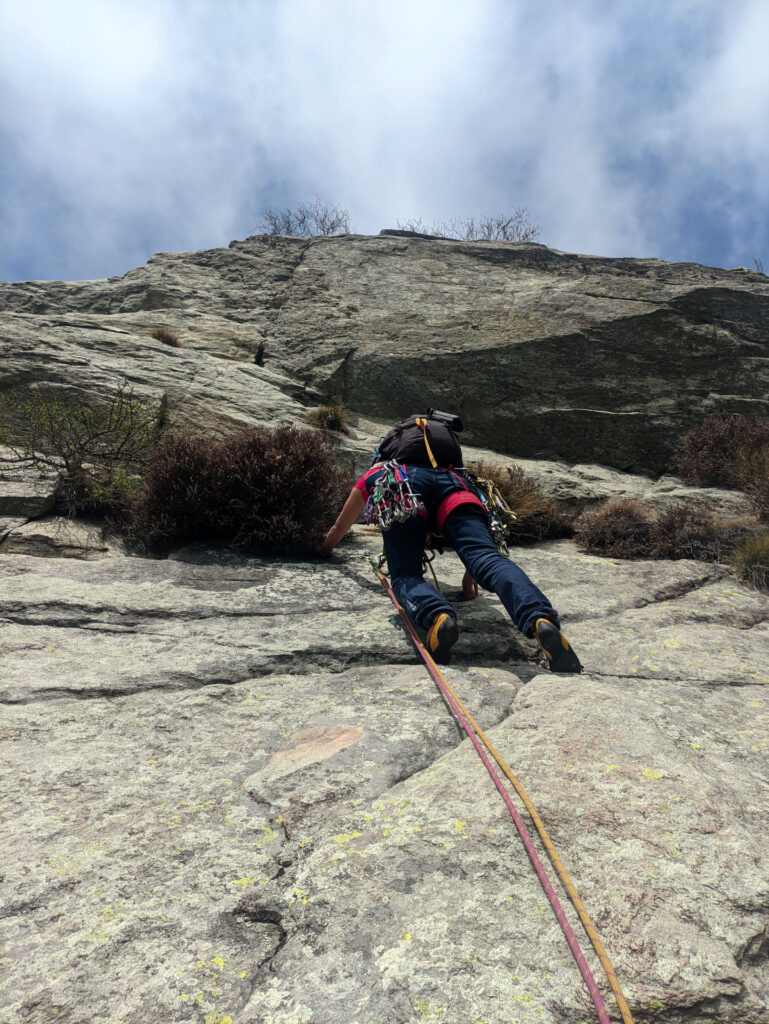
x,y
627,127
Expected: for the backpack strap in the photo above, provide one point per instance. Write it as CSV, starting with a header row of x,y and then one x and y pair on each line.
x,y
422,422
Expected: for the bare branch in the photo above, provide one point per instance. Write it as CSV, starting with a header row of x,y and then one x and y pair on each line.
x,y
307,220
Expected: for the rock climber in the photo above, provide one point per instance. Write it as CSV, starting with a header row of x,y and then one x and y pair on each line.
x,y
412,488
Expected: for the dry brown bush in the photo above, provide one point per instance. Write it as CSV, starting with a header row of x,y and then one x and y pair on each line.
x,y
687,532
621,529
626,528
730,451
273,491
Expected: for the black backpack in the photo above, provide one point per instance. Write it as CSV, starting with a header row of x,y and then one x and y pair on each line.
x,y
406,443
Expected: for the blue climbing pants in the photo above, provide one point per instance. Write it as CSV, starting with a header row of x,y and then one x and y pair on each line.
x,y
466,529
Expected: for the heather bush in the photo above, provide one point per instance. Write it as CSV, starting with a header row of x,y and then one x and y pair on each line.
x,y
627,529
621,528
753,470
99,447
273,491
327,417
728,452
751,560
538,517
687,532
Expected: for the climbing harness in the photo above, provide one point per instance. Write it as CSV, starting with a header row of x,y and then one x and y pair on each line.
x,y
392,500
478,737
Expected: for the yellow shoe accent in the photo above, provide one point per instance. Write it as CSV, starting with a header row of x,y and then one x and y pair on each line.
x,y
555,647
441,637
432,636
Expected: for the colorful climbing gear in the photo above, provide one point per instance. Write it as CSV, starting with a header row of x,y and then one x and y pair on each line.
x,y
392,500
478,737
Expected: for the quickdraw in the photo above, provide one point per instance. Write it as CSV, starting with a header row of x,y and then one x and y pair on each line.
x,y
478,737
501,516
392,500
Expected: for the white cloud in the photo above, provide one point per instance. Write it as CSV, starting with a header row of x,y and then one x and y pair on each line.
x,y
134,126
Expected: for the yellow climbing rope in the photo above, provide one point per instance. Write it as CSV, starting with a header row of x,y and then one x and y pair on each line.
x,y
557,862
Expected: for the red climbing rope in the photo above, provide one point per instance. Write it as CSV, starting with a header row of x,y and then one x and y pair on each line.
x,y
445,689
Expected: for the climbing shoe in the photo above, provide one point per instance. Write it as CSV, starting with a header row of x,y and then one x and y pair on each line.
x,y
441,637
556,648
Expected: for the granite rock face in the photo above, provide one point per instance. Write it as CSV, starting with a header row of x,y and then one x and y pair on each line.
x,y
547,355
236,797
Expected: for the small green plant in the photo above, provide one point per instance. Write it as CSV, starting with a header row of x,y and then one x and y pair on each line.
x,y
751,560
328,417
98,447
272,491
167,336
538,517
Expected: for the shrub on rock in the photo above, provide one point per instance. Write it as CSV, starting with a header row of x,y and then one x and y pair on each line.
x,y
274,491
688,532
729,452
167,336
98,446
621,529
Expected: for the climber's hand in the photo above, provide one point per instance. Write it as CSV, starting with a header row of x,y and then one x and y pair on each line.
x,y
469,587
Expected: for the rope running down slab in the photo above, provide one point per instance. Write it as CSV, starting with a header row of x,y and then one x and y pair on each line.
x,y
464,717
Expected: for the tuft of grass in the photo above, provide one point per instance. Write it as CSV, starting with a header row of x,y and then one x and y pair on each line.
x,y
328,417
272,491
621,529
751,560
167,336
538,517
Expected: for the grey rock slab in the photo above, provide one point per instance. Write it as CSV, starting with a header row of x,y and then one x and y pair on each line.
x,y
585,587
389,324
135,828
61,537
425,905
113,627
9,523
203,391
712,655
584,486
